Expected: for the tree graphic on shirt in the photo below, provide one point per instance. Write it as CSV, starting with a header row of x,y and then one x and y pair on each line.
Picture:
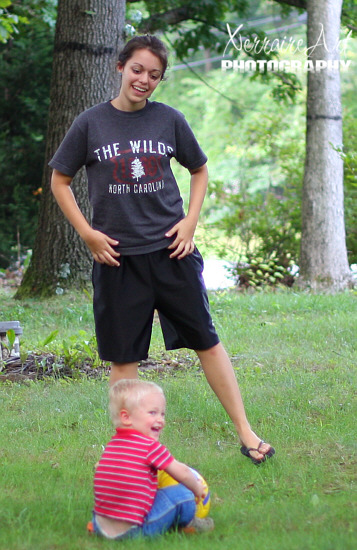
x,y
137,169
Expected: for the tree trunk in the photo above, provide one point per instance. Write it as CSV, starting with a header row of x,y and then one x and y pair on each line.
x,y
323,255
89,35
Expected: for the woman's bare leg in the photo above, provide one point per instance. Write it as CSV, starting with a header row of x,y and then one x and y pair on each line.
x,y
221,377
119,371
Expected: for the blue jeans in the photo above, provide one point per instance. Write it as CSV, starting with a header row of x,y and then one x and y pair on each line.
x,y
173,506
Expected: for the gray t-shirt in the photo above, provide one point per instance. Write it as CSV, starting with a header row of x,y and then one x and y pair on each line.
x,y
132,190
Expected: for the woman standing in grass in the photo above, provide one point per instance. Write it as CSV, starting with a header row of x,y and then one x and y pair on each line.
x,y
140,238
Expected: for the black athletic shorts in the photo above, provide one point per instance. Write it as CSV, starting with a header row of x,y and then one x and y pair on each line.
x,y
126,297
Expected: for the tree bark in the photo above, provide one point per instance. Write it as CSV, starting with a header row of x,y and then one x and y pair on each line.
x,y
323,254
89,35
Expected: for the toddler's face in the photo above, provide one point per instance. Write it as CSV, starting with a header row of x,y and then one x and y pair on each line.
x,y
148,417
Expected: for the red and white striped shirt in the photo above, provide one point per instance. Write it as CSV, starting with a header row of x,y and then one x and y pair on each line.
x,y
125,481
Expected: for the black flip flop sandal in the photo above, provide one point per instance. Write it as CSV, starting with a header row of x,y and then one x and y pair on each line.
x,y
247,450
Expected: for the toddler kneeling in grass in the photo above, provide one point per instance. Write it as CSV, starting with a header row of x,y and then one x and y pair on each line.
x,y
128,502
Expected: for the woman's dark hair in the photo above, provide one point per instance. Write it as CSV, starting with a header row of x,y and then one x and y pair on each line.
x,y
145,42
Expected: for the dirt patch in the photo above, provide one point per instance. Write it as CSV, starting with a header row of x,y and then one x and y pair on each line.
x,y
48,365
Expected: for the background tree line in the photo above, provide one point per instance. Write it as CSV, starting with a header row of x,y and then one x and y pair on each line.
x,y
256,161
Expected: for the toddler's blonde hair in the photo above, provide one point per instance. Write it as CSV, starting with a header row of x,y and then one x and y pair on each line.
x,y
127,394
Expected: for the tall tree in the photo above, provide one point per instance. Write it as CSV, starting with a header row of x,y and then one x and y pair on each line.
x,y
323,254
88,38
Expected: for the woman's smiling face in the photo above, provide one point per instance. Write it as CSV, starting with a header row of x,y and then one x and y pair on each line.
x,y
140,76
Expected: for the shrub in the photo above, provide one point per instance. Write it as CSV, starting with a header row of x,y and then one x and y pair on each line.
x,y
268,224
258,272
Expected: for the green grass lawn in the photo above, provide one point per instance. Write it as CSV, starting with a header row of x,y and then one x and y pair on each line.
x,y
295,359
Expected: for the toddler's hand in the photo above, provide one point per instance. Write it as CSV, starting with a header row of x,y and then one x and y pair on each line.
x,y
200,494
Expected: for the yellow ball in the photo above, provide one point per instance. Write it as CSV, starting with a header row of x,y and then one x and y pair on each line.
x,y
203,506
165,480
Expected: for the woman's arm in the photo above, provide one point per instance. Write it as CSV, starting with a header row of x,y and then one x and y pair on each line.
x,y
98,243
185,228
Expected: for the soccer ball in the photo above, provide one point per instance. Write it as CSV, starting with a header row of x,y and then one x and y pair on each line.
x,y
202,507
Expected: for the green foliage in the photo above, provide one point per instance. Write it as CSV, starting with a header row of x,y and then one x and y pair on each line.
x,y
14,14
349,15
259,273
9,21
349,155
69,357
197,23
58,334
256,154
252,142
8,346
25,71
268,224
78,349
49,338
267,221
11,336
261,200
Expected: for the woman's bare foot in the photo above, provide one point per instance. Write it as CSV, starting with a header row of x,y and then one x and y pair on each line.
x,y
255,448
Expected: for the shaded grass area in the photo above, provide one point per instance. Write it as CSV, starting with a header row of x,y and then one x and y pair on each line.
x,y
277,329
295,359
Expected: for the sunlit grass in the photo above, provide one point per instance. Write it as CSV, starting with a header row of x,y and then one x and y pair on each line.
x,y
295,359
